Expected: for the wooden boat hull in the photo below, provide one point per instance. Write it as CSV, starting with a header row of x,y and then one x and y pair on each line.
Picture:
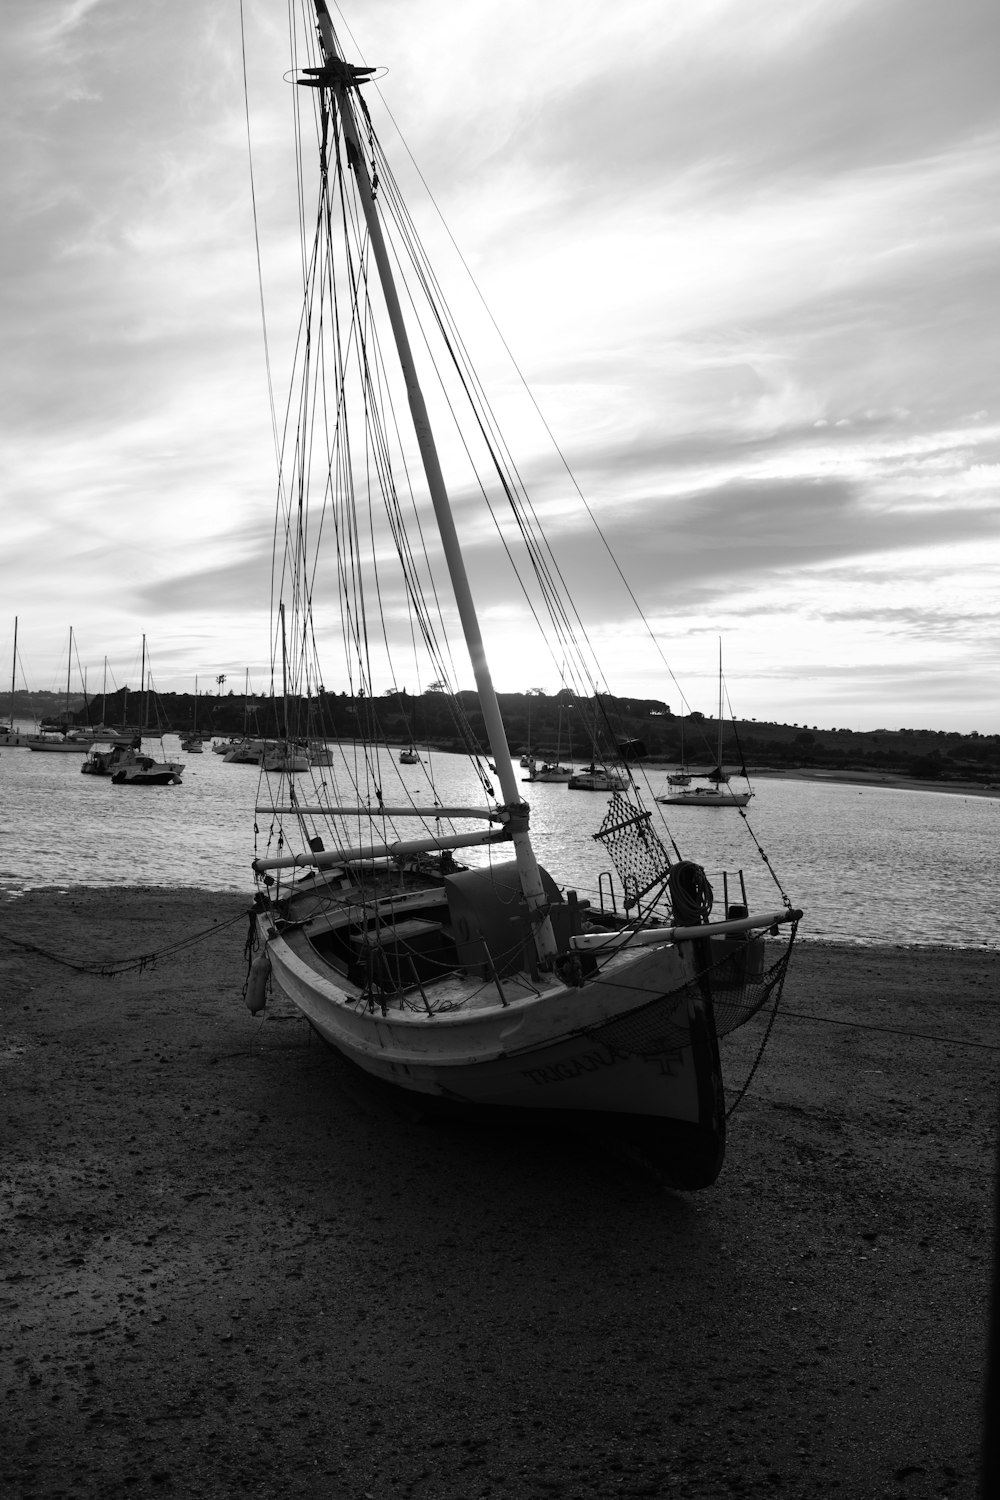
x,y
635,1047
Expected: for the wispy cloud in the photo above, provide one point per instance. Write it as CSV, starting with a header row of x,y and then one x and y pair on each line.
x,y
746,253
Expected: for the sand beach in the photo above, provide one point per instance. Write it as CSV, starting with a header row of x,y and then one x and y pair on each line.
x,y
229,1269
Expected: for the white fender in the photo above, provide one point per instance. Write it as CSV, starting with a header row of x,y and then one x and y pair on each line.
x,y
260,973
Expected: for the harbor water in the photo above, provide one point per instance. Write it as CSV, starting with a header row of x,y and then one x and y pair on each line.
x,y
868,864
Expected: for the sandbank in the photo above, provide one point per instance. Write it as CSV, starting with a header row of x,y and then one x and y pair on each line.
x,y
228,1269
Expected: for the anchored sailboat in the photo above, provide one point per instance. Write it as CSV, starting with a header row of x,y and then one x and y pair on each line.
x,y
719,793
487,985
9,736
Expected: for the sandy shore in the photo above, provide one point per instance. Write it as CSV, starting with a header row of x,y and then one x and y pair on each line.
x,y
230,1270
882,778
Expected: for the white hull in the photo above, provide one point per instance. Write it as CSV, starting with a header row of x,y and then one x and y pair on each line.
x,y
551,773
596,781
246,752
635,1039
60,747
160,773
702,796
280,763
126,766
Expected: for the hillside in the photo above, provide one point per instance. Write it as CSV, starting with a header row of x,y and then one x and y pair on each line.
x,y
572,728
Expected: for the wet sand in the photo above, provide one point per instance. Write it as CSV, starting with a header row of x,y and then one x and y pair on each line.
x,y
229,1269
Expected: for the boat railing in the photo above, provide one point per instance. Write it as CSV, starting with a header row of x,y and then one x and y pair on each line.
x,y
605,882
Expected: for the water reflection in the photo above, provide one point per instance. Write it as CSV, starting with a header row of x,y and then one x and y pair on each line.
x,y
869,864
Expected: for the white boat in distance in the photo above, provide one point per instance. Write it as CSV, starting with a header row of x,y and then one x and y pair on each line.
x,y
705,796
127,765
284,758
11,738
597,779
547,771
56,742
488,988
719,793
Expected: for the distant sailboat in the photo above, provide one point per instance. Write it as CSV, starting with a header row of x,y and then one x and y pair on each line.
x,y
192,742
61,737
132,766
719,793
10,737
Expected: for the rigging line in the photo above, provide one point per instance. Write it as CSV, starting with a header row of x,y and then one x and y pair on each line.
x,y
530,394
519,500
549,593
917,1036
521,510
256,236
378,429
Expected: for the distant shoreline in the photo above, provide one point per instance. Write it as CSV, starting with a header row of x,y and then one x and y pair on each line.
x,y
892,779
880,779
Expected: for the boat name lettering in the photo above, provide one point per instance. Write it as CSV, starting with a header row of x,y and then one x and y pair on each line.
x,y
584,1062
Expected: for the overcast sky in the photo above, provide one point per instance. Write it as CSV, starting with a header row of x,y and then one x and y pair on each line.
x,y
745,252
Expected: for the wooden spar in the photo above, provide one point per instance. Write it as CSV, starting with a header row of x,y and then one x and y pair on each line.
x,y
642,937
491,815
340,81
324,857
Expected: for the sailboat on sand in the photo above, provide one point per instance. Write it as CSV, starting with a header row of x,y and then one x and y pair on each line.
x,y
479,986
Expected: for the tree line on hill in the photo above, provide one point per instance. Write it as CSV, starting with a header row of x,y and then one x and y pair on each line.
x,y
561,724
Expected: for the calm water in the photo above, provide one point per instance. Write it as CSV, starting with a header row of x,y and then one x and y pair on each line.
x,y
867,864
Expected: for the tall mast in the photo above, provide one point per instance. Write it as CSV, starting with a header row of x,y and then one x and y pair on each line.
x,y
69,664
13,676
719,751
284,676
340,78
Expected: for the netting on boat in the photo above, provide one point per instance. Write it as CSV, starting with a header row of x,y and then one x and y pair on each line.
x,y
633,848
739,984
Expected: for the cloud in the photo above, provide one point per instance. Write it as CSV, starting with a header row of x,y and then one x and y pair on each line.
x,y
742,251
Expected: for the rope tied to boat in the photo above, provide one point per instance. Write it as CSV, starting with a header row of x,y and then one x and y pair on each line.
x,y
115,968
691,894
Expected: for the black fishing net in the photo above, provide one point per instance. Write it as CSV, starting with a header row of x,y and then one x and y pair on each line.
x,y
740,981
633,848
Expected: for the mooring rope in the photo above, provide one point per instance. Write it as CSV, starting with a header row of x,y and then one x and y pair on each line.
x,y
114,968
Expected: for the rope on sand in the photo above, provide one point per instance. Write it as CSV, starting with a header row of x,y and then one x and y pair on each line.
x,y
115,968
915,1036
